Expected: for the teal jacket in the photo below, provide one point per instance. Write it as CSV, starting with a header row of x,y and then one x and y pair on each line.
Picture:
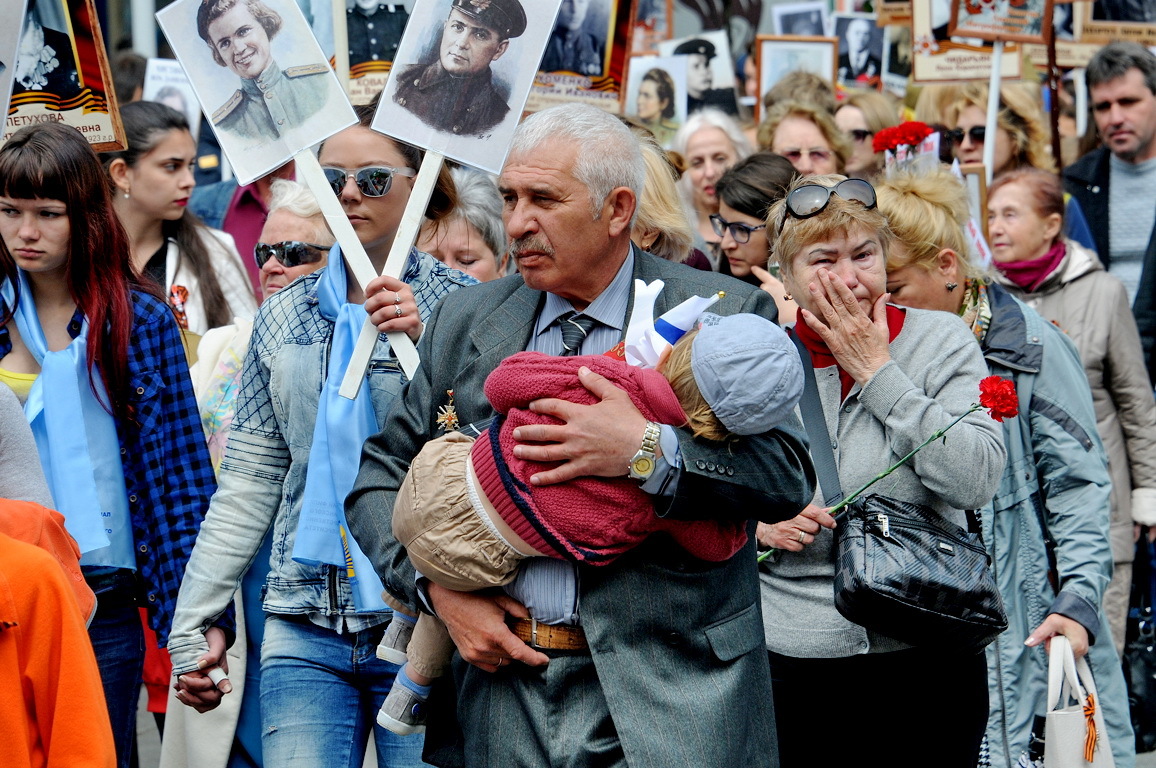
x,y
1050,514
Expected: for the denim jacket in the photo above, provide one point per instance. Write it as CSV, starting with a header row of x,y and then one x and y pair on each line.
x,y
167,472
262,477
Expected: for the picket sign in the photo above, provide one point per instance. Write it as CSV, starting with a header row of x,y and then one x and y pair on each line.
x,y
992,110
407,232
309,171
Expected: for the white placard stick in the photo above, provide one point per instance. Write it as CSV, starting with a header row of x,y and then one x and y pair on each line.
x,y
309,171
407,231
992,110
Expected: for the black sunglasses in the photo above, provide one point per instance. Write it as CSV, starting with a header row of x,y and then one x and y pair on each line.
x,y
372,180
291,253
812,199
740,233
860,135
977,133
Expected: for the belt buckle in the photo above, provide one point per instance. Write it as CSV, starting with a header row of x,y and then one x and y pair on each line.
x,y
534,633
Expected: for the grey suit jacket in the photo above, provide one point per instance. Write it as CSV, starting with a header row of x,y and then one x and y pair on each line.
x,y
662,626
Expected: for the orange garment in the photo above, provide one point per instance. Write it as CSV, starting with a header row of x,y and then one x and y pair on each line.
x,y
52,713
157,673
32,523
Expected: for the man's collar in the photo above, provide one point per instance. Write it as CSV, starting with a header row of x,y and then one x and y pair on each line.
x,y
609,308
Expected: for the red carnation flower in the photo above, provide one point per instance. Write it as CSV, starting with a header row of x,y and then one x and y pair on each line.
x,y
998,395
909,133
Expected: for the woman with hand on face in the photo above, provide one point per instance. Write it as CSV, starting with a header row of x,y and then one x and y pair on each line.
x,y
656,105
746,192
97,359
886,379
806,135
293,454
1050,516
198,268
711,142
473,238
1066,284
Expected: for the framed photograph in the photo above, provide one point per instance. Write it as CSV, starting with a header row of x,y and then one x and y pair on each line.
x,y
800,19
9,39
1024,22
940,60
59,71
897,50
166,83
779,55
710,70
656,94
1103,21
653,23
893,12
580,41
462,76
860,50
261,77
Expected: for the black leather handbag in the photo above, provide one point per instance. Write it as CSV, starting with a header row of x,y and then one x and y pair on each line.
x,y
900,569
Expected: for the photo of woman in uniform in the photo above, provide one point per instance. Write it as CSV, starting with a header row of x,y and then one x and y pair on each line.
x,y
656,105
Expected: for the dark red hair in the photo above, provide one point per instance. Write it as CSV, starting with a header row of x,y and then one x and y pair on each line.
x,y
53,161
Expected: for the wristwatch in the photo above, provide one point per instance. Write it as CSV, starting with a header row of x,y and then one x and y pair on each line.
x,y
642,463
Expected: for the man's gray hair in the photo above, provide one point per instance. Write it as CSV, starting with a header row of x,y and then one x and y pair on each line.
x,y
608,154
294,198
1115,59
480,206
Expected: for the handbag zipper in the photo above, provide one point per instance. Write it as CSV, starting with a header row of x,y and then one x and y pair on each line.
x,y
885,526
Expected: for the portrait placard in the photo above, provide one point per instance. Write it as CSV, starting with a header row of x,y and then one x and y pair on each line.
x,y
779,55
261,76
373,31
710,70
891,12
860,50
653,23
60,72
463,72
946,61
1023,21
656,94
1102,22
9,39
165,82
800,19
897,53
579,44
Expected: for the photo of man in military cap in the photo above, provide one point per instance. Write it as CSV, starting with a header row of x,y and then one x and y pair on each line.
x,y
270,100
700,78
572,47
452,88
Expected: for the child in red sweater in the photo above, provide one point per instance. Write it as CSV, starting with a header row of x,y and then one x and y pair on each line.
x,y
467,513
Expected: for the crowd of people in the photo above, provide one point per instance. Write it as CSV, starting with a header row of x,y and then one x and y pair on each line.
x,y
517,558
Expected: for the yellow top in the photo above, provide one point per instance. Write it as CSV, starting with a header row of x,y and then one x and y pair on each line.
x,y
20,383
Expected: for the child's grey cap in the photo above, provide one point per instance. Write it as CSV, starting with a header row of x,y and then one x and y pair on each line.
x,y
748,371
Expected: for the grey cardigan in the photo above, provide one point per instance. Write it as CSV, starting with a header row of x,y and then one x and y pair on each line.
x,y
932,377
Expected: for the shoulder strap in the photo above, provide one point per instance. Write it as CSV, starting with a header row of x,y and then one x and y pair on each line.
x,y
822,455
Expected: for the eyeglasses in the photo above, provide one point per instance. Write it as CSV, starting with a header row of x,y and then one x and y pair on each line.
x,y
372,180
812,199
740,233
291,253
795,155
860,135
976,133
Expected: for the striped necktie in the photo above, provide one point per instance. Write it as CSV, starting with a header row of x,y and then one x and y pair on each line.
x,y
574,329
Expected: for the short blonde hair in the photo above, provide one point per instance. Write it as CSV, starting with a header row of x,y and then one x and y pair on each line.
x,y
699,417
879,110
822,120
927,212
659,207
1020,114
790,235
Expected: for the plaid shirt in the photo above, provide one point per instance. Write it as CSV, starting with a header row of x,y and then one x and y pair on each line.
x,y
168,476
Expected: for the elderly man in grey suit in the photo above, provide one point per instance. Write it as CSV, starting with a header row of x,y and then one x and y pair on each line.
x,y
656,659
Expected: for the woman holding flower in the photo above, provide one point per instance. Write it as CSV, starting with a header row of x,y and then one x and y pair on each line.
x,y
887,378
1048,522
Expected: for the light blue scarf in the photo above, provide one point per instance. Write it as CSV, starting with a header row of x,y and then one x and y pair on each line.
x,y
342,426
77,441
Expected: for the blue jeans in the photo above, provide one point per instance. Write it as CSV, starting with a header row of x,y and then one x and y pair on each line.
x,y
118,641
320,692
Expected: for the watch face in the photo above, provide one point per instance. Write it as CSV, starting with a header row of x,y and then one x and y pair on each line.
x,y
643,465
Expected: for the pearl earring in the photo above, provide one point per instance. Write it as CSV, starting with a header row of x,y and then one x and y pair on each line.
x,y
126,196
950,286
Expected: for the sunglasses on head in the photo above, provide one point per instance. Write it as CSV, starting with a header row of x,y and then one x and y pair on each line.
x,y
812,199
291,253
976,133
740,233
860,135
372,180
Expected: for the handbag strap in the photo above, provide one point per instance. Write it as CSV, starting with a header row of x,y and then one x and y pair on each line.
x,y
822,456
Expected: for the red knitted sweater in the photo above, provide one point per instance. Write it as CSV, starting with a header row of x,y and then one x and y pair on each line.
x,y
591,520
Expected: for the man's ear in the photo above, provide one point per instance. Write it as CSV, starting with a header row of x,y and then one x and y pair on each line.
x,y
619,208
118,172
502,46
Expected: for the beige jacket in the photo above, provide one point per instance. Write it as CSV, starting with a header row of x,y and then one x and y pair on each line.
x,y
1091,306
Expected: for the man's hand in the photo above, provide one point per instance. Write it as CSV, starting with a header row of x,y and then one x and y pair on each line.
x,y
594,441
477,624
197,689
385,297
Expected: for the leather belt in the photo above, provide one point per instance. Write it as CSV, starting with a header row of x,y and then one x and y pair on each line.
x,y
554,637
